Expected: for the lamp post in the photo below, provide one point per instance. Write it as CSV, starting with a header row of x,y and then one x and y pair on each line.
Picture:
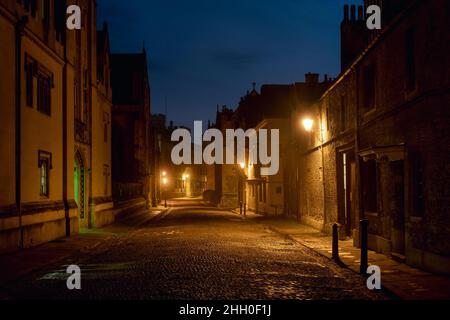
x,y
164,181
241,187
163,175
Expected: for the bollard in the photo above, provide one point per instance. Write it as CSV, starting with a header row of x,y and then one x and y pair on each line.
x,y
335,242
240,208
363,230
245,209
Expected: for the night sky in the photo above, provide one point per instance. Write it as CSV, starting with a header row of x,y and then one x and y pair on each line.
x,y
208,52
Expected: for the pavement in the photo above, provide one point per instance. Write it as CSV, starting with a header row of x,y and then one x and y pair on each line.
x,y
18,265
188,252
398,279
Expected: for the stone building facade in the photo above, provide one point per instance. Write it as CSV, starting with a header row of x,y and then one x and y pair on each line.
x,y
378,149
266,194
51,104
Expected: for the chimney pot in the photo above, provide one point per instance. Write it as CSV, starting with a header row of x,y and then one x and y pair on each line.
x,y
360,13
346,12
311,77
353,12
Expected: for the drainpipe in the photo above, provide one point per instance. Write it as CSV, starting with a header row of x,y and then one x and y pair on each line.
x,y
65,150
20,26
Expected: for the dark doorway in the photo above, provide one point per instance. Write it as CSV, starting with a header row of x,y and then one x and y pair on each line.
x,y
346,177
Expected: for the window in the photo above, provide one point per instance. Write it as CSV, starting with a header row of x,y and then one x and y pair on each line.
x,y
370,186
106,175
44,86
343,115
105,126
369,87
33,7
26,4
44,164
410,47
59,9
29,80
85,95
77,105
45,13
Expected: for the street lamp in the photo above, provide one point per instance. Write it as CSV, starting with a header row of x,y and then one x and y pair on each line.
x,y
164,173
308,124
164,181
241,186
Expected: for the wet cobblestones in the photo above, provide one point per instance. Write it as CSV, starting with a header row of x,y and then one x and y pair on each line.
x,y
201,254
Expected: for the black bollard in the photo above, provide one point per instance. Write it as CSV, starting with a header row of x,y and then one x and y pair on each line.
x,y
335,242
364,229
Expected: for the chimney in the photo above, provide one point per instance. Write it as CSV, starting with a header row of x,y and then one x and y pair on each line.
x,y
311,77
354,35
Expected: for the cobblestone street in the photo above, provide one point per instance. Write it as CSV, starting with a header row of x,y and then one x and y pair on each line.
x,y
198,253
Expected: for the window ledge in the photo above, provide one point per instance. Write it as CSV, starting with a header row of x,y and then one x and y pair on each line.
x,y
415,219
371,214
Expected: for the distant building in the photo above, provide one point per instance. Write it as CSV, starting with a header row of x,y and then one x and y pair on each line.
x,y
131,149
273,105
266,194
55,103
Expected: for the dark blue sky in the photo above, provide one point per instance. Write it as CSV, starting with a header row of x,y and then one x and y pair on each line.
x,y
208,52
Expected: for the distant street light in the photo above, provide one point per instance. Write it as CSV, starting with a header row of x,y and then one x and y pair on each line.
x,y
164,173
308,124
242,165
164,181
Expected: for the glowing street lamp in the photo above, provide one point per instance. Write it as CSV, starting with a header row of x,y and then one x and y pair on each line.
x,y
308,124
164,173
242,164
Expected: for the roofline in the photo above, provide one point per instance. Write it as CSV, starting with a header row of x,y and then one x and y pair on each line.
x,y
389,28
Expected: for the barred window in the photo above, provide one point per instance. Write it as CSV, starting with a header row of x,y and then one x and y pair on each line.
x,y
29,80
44,91
369,87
